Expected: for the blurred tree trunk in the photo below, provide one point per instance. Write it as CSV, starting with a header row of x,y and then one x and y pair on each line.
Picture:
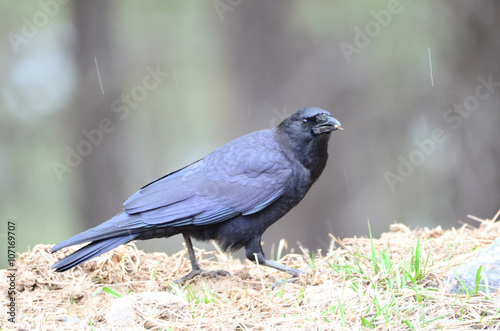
x,y
477,35
259,46
96,64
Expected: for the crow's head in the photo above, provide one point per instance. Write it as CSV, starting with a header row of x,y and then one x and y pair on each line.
x,y
306,134
309,123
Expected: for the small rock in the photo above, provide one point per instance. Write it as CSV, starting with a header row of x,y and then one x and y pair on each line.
x,y
127,311
122,313
489,259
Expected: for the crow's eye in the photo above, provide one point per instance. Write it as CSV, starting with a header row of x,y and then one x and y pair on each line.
x,y
305,122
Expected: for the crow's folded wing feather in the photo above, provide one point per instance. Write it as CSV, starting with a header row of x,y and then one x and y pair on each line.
x,y
242,177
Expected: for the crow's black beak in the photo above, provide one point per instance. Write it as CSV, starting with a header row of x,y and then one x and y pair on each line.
x,y
327,124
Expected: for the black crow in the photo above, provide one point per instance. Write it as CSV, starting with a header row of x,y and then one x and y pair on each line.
x,y
231,196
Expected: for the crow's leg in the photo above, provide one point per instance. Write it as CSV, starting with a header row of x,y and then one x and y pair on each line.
x,y
255,247
196,268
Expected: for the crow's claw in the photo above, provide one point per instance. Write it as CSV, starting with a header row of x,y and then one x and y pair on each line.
x,y
284,281
199,272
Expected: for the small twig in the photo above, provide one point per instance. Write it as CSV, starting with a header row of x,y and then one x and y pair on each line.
x,y
497,215
338,241
475,218
260,271
489,223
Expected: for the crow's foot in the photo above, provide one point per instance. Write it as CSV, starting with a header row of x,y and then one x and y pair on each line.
x,y
199,272
283,282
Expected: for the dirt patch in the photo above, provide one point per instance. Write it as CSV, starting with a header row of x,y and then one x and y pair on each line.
x,y
364,283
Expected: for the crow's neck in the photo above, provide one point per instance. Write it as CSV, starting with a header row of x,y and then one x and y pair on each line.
x,y
312,154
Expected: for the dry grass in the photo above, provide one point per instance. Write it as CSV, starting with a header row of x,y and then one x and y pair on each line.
x,y
388,283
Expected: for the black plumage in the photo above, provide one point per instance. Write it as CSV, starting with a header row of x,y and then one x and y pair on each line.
x,y
231,196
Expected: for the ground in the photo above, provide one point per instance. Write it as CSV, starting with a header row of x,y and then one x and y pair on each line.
x,y
390,283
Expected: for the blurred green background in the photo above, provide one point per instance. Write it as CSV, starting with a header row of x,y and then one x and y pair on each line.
x,y
99,98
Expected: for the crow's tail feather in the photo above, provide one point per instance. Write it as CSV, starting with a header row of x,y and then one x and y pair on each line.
x,y
119,225
90,251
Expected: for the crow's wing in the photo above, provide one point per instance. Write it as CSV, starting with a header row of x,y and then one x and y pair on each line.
x,y
242,177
